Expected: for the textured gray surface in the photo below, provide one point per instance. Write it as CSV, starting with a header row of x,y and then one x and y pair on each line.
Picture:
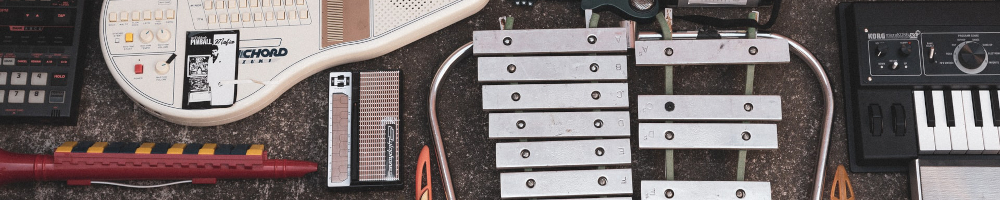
x,y
293,127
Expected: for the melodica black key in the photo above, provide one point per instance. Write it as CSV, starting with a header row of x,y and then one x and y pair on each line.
x,y
949,108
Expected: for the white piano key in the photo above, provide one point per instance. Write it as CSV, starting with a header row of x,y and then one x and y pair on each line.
x,y
925,133
942,135
959,139
991,135
974,133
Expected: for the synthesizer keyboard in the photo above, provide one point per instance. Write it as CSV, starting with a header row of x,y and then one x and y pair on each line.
x,y
211,62
919,84
921,94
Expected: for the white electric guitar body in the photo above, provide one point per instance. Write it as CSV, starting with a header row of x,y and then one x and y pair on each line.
x,y
211,62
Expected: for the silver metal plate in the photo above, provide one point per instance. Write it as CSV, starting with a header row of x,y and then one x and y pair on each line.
x,y
555,96
708,52
705,190
565,183
563,153
553,68
707,136
710,107
955,179
536,41
559,125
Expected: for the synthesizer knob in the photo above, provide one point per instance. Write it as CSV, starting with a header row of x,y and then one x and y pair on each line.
x,y
146,36
971,55
905,50
163,35
880,50
162,67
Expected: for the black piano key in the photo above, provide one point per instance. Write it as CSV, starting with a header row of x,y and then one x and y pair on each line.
x,y
223,149
929,108
129,147
239,149
114,147
977,112
996,107
192,148
160,148
82,147
949,109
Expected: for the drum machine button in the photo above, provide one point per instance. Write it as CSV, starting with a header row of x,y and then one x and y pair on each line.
x,y
128,37
158,15
138,68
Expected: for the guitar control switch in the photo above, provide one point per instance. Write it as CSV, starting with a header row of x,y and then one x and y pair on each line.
x,y
875,116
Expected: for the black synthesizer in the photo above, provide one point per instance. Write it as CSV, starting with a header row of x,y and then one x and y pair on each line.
x,y
39,42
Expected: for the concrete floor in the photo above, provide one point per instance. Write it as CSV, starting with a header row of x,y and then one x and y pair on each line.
x,y
294,126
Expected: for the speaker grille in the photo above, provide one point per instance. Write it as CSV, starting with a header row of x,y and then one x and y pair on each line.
x,y
333,24
391,14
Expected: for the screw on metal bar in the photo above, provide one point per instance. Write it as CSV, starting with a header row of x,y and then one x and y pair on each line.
x,y
668,193
753,50
669,106
740,193
592,39
598,123
511,68
669,51
525,153
602,181
748,107
530,183
507,41
595,95
516,96
520,124
594,67
669,135
746,135
599,151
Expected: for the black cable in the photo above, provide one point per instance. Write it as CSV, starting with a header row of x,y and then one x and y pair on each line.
x,y
733,23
